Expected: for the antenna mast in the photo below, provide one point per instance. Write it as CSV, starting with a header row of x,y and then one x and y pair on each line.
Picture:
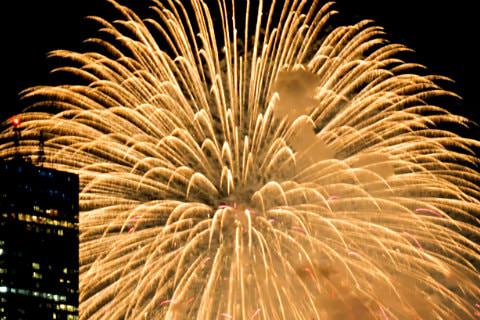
x,y
41,149
16,121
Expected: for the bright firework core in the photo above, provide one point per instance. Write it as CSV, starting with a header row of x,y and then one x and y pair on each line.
x,y
288,170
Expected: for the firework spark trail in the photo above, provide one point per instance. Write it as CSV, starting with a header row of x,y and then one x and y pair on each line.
x,y
275,171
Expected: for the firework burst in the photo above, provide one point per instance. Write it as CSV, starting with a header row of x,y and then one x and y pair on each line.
x,y
260,168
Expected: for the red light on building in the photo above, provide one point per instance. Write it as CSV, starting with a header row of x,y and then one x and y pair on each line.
x,y
16,121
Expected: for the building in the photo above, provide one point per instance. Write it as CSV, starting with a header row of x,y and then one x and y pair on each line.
x,y
38,242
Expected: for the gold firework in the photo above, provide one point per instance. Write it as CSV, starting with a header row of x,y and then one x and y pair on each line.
x,y
271,171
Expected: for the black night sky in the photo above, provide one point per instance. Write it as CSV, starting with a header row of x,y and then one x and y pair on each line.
x,y
440,32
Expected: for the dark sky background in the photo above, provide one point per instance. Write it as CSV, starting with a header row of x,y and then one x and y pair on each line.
x,y
442,34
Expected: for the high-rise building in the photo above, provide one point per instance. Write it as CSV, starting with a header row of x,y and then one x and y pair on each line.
x,y
38,242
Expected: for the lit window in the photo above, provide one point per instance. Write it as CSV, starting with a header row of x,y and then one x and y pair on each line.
x,y
3,289
35,265
53,212
1,251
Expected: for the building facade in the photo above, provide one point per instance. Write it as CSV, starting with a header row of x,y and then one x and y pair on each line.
x,y
38,242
